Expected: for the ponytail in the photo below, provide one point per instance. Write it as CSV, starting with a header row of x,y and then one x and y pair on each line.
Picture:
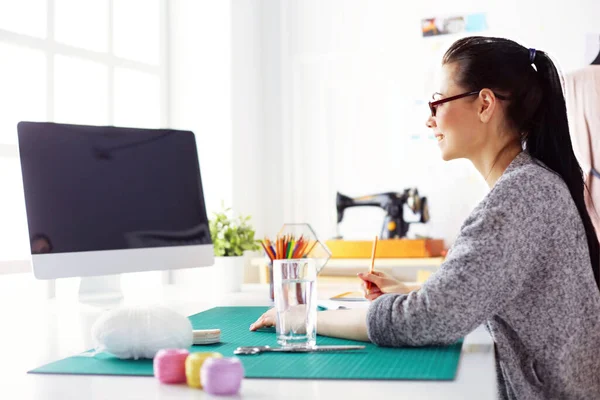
x,y
536,108
549,141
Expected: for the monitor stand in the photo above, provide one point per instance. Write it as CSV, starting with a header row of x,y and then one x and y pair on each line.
x,y
101,291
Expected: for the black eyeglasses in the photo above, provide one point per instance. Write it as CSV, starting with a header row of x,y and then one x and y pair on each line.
x,y
433,104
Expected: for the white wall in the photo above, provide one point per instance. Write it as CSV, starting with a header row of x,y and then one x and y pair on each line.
x,y
200,89
226,87
344,86
247,108
257,113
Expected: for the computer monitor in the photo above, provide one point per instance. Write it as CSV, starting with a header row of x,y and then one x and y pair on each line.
x,y
102,200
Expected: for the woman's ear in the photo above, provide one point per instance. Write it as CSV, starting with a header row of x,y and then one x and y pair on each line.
x,y
487,105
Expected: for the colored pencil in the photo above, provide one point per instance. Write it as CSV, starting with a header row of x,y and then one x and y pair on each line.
x,y
287,247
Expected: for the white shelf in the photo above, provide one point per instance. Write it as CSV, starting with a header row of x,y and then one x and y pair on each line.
x,y
405,269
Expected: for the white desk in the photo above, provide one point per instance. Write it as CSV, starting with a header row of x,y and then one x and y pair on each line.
x,y
40,332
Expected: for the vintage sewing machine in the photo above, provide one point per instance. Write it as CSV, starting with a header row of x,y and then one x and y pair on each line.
x,y
393,243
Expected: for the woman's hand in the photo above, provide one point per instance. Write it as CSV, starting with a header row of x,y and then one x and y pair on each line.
x,y
381,284
344,324
266,320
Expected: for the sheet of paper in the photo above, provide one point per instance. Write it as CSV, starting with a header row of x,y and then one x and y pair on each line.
x,y
349,296
342,305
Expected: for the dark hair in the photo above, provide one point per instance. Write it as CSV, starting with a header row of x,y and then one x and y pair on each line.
x,y
536,108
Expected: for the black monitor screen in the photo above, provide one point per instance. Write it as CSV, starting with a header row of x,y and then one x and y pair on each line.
x,y
108,188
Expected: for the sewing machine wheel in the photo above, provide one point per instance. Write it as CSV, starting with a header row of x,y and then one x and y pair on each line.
x,y
413,201
424,210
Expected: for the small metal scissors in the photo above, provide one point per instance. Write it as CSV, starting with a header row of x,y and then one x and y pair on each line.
x,y
251,350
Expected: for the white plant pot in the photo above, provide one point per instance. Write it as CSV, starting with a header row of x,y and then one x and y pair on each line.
x,y
231,271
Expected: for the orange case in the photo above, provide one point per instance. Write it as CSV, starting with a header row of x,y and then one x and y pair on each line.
x,y
388,248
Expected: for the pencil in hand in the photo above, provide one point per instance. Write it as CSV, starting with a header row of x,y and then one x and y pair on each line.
x,y
371,269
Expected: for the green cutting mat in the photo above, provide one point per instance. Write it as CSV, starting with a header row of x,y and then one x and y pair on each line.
x,y
426,363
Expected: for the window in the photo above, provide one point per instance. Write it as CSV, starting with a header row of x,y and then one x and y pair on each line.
x,y
93,62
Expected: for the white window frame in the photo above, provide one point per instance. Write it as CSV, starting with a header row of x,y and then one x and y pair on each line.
x,y
51,48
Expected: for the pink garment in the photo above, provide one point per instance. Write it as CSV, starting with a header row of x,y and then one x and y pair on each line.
x,y
582,94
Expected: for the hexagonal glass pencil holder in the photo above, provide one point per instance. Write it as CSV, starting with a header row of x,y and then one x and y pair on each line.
x,y
316,249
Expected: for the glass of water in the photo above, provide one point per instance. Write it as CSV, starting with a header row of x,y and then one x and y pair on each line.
x,y
295,284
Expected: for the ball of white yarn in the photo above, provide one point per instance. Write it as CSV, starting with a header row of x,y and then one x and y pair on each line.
x,y
141,331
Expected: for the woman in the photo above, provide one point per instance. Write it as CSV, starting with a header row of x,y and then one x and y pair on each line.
x,y
525,262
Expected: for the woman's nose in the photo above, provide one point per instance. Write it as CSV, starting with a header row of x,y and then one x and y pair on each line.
x,y
430,123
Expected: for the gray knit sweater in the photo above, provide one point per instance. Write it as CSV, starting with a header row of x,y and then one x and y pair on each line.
x,y
521,266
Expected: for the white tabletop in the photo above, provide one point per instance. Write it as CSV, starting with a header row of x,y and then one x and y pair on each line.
x,y
36,333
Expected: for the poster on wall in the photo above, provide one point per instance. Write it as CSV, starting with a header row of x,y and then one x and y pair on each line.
x,y
438,33
436,26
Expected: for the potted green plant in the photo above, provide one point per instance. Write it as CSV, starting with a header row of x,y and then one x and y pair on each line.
x,y
231,237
